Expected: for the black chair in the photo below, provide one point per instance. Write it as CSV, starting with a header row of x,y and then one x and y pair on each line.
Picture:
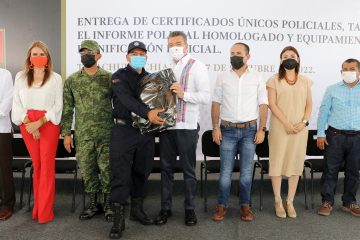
x,y
65,163
315,164
210,149
262,162
21,161
156,164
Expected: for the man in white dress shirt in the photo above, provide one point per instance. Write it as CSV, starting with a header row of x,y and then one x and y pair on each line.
x,y
242,95
192,90
7,191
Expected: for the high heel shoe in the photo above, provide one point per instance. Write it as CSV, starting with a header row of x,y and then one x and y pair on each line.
x,y
279,210
290,209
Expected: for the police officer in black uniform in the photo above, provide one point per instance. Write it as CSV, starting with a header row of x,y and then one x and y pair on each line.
x,y
131,153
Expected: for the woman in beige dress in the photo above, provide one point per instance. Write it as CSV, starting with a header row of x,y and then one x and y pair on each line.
x,y
290,103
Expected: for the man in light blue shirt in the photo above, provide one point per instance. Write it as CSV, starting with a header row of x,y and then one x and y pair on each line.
x,y
340,111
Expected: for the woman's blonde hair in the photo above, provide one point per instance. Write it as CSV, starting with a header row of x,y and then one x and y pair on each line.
x,y
29,68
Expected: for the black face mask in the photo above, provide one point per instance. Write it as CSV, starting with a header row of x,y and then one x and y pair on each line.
x,y
88,60
237,62
290,64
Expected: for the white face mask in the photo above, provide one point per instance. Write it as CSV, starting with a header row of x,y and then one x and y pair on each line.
x,y
349,76
176,53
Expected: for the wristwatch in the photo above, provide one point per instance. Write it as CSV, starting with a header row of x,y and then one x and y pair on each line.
x,y
306,122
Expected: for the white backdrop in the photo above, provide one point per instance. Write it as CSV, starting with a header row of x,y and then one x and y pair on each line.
x,y
324,32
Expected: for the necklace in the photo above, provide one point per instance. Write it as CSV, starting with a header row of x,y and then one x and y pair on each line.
x,y
290,82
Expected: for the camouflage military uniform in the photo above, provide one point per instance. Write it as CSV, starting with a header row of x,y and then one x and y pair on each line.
x,y
90,96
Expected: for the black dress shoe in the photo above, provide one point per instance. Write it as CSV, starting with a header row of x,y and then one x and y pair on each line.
x,y
137,212
190,217
161,219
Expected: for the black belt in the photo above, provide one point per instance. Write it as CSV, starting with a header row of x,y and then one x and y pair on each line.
x,y
343,132
123,122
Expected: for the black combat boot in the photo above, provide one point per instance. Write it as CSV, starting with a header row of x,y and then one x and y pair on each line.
x,y
109,213
119,221
137,212
93,208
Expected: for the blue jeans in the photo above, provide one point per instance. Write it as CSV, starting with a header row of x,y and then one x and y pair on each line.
x,y
236,141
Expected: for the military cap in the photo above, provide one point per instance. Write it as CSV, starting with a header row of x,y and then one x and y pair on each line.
x,y
90,44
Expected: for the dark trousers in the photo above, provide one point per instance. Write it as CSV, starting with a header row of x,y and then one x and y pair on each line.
x,y
6,175
343,150
131,156
172,143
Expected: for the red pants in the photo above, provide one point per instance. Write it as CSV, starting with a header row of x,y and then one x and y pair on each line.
x,y
42,152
